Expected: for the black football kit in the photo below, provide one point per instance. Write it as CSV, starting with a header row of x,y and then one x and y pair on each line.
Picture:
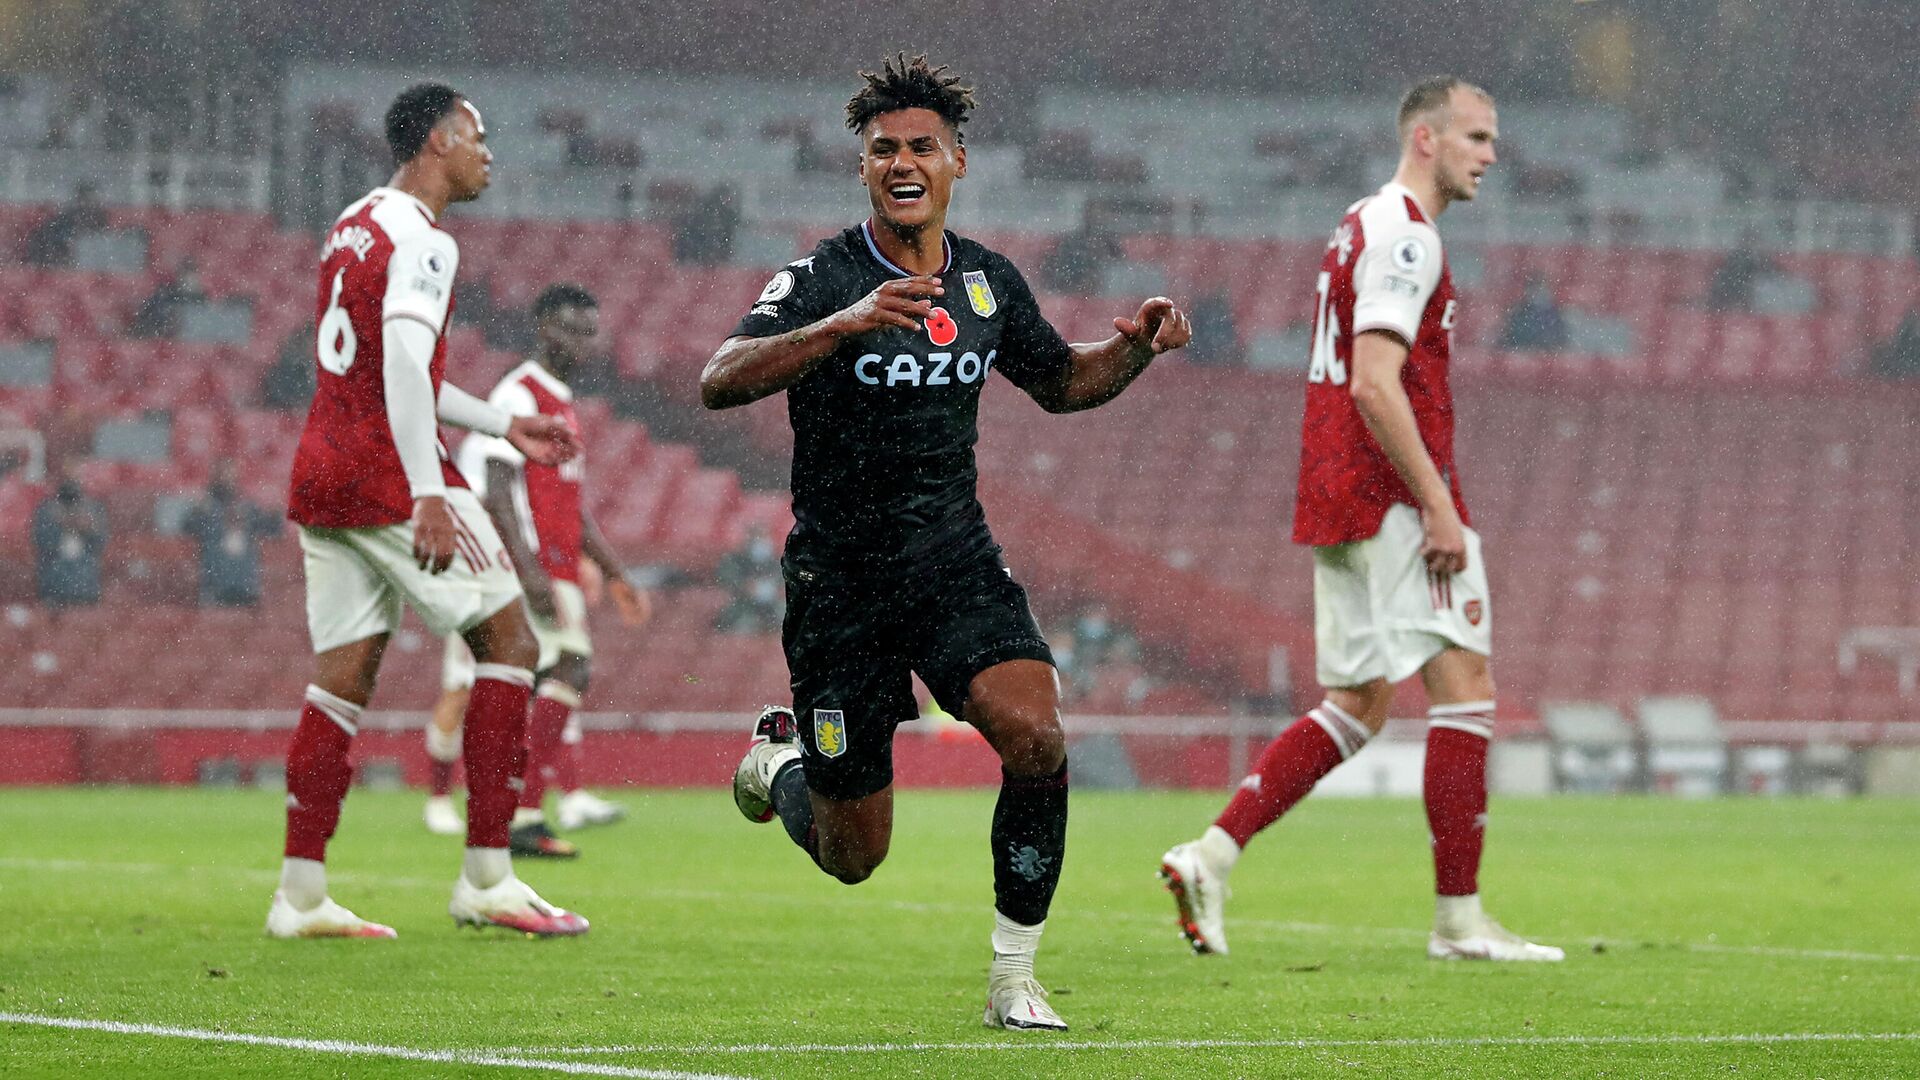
x,y
890,569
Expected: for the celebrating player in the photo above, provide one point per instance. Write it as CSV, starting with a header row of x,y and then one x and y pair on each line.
x,y
547,528
882,338
1399,581
385,519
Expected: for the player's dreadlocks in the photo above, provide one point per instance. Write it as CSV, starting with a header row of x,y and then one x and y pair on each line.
x,y
911,84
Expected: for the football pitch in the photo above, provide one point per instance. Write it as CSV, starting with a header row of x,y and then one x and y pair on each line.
x,y
1772,938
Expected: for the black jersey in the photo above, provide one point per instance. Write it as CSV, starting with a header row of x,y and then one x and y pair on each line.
x,y
883,429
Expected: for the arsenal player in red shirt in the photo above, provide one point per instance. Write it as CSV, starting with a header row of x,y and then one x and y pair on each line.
x,y
1400,585
543,519
385,520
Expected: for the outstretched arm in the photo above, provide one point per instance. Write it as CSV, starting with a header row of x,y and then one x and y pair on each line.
x,y
1101,370
746,369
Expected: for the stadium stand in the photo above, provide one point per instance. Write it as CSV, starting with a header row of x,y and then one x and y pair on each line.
x,y
1591,474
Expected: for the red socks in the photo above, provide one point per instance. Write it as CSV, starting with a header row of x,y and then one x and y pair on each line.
x,y
1456,792
317,772
1289,767
495,750
552,708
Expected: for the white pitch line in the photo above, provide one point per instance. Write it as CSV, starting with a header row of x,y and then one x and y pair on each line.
x,y
1276,926
1042,1044
504,1059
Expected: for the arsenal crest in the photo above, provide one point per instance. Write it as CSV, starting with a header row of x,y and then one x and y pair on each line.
x,y
979,293
1473,612
830,732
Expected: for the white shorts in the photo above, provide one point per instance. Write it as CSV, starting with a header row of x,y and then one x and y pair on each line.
x,y
1377,613
567,635
456,665
357,579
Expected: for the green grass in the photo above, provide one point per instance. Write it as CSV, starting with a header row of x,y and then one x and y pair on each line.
x,y
1681,920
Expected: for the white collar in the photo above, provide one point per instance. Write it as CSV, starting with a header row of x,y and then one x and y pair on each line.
x,y
946,248
385,190
1395,187
547,379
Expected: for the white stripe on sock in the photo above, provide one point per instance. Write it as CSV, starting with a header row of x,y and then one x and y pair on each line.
x,y
503,673
1462,707
337,709
444,746
558,691
1473,717
1348,734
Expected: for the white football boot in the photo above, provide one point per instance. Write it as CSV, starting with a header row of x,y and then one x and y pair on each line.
x,y
1018,1003
775,742
1200,895
1488,940
583,809
511,903
441,818
327,920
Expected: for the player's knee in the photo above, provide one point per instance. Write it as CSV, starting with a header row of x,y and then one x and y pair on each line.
x,y
574,670
506,640
852,864
1367,703
1029,737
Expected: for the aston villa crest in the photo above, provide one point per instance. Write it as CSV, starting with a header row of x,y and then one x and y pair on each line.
x,y
979,293
830,732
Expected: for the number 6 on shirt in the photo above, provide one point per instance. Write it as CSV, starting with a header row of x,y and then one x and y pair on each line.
x,y
335,339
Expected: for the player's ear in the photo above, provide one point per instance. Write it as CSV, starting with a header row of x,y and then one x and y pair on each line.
x,y
959,161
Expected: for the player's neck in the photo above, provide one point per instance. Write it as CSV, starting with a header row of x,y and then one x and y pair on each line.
x,y
919,250
432,191
548,364
1425,187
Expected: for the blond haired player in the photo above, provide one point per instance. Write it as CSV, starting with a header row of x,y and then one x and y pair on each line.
x,y
1400,585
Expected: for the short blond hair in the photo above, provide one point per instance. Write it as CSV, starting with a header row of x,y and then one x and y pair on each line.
x,y
1431,95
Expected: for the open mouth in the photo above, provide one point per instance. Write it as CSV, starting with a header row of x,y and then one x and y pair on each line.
x,y
907,194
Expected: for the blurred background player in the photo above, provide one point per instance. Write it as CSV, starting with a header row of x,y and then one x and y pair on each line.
x,y
1400,584
544,522
890,569
385,519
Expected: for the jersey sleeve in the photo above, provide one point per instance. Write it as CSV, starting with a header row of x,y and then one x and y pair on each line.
x,y
516,400
420,278
1032,352
802,293
1394,279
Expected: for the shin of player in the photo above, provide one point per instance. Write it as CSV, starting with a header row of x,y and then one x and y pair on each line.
x,y
1400,583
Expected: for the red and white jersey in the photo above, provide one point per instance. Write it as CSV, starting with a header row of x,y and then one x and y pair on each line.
x,y
547,496
1384,270
385,256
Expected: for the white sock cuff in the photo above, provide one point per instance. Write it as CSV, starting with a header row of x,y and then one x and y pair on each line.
x,y
444,746
1219,849
506,673
1011,938
572,735
1472,717
1347,733
556,690
337,709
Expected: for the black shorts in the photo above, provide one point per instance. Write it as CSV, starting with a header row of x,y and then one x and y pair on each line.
x,y
852,646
